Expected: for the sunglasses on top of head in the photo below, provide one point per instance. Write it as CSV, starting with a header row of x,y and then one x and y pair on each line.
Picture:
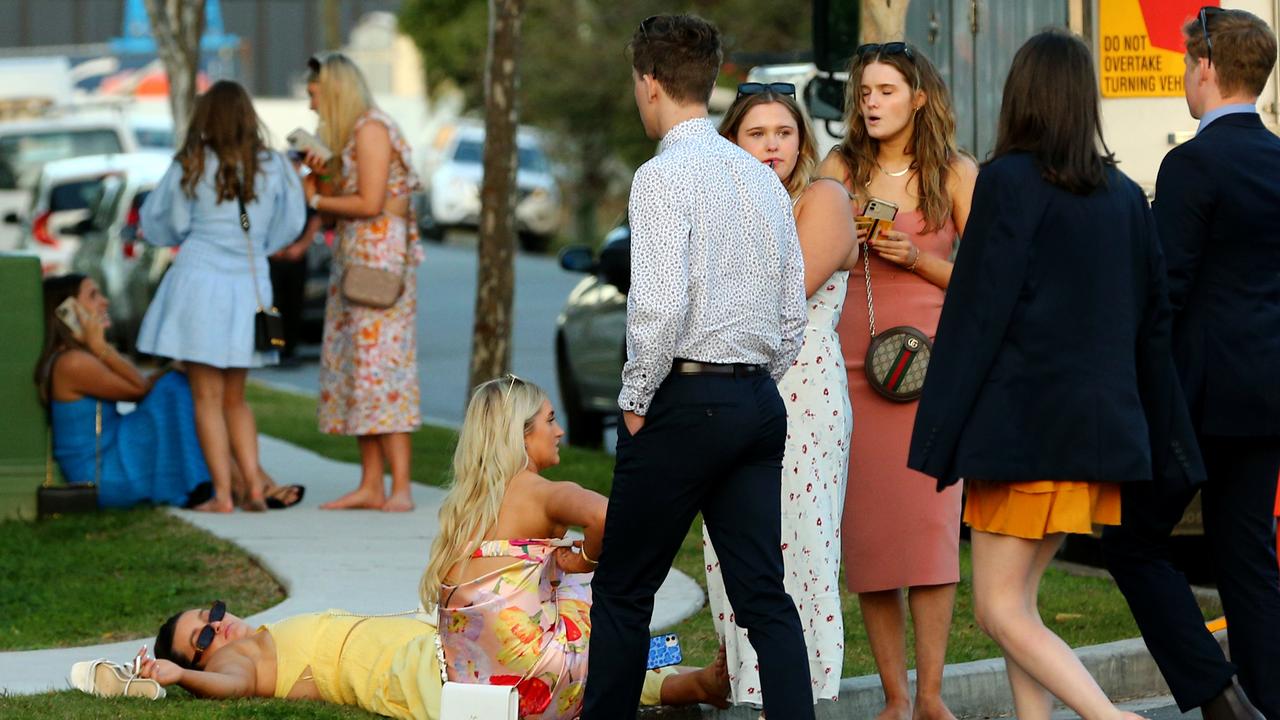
x,y
756,88
207,633
885,49
1207,13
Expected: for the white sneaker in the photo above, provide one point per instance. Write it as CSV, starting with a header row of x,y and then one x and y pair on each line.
x,y
107,679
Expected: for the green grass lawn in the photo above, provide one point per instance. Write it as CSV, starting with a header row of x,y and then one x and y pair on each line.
x,y
73,704
146,560
114,575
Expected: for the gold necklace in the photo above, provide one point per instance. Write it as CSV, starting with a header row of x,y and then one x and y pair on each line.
x,y
898,173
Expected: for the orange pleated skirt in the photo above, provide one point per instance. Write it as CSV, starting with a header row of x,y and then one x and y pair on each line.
x,y
1040,507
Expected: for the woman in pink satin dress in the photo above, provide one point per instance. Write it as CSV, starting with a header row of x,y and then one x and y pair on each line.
x,y
897,532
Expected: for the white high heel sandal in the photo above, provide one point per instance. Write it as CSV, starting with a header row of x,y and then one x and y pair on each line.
x,y
107,679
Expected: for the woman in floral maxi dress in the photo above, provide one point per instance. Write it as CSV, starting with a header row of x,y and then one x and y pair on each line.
x,y
368,364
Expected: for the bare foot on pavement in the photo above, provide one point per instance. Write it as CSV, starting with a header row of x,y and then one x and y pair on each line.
x,y
214,505
398,502
359,499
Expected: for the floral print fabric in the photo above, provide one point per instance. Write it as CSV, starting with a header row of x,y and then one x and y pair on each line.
x,y
527,625
369,360
814,469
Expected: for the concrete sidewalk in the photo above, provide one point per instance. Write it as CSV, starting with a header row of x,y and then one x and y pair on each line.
x,y
980,689
364,561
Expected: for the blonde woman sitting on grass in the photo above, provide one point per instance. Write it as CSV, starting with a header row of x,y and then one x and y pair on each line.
x,y
514,596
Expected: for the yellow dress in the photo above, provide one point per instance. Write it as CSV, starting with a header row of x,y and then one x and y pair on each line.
x,y
1037,508
385,665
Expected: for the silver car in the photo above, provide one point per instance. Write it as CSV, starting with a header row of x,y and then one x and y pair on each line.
x,y
111,249
454,193
591,336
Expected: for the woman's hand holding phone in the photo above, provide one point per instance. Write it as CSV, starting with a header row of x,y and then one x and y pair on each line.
x,y
895,247
316,162
92,333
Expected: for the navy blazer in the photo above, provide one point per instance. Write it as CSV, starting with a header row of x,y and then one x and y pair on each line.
x,y
1218,211
1052,358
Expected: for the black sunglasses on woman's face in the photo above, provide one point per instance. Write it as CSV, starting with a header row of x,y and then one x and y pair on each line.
x,y
1206,13
207,633
755,88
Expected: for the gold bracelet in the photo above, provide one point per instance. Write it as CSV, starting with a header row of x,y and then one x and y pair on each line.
x,y
106,349
582,550
912,267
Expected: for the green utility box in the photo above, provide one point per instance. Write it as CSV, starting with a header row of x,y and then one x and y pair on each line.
x,y
23,434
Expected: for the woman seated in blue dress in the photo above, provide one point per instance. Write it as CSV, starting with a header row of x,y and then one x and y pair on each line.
x,y
149,455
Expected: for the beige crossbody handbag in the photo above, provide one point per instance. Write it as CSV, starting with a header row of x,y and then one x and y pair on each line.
x,y
376,288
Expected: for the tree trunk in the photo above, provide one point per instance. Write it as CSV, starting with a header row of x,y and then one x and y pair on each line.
x,y
884,20
177,26
491,335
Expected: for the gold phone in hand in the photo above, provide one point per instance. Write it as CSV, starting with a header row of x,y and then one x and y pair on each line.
x,y
66,312
879,214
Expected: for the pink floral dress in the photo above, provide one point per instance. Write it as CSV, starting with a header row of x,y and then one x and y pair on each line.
x,y
528,625
814,470
369,359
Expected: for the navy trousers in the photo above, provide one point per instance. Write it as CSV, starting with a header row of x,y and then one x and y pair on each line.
x,y
711,444
1237,503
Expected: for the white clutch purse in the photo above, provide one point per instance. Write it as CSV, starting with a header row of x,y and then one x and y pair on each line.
x,y
466,701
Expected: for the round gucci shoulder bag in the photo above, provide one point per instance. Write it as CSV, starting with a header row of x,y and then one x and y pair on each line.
x,y
898,357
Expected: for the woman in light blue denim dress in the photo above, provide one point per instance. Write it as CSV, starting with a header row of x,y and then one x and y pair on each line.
x,y
203,312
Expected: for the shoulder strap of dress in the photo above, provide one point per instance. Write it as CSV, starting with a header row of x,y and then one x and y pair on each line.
x,y
836,181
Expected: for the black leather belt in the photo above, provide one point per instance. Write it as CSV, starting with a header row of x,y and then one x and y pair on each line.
x,y
693,367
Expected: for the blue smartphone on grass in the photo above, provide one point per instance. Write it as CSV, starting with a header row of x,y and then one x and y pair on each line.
x,y
664,650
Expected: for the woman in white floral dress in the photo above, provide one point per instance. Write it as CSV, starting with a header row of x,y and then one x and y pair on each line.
x,y
765,121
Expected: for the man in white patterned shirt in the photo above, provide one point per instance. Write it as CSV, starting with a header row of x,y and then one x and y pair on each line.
x,y
715,316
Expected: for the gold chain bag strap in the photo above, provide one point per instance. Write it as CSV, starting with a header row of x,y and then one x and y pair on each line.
x,y
897,358
53,500
268,324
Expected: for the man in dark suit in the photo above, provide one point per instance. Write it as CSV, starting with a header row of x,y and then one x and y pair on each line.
x,y
1217,210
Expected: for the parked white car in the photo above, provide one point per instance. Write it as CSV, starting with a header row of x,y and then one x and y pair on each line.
x,y
63,195
111,248
26,145
455,184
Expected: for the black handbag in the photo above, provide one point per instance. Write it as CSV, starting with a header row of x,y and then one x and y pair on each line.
x,y
53,500
897,358
268,324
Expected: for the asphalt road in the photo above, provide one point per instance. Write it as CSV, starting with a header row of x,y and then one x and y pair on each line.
x,y
446,309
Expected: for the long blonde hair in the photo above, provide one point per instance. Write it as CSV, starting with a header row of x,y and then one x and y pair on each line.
x,y
933,133
490,452
798,180
342,97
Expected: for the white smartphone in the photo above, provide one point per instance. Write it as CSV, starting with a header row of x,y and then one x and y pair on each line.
x,y
303,141
66,312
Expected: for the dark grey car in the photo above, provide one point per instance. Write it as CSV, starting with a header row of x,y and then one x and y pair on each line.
x,y
591,336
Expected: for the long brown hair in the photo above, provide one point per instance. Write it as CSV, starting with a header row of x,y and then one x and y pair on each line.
x,y
57,336
1050,110
224,122
798,180
933,133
